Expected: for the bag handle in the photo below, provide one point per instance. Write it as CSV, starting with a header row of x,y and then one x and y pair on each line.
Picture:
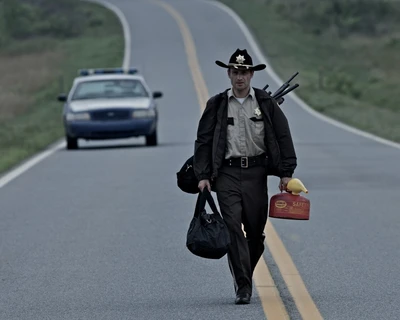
x,y
202,198
210,201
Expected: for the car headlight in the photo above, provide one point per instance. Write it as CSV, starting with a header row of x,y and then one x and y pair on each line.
x,y
145,113
78,116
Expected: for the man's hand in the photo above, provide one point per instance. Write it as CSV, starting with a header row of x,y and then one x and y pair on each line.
x,y
283,183
204,183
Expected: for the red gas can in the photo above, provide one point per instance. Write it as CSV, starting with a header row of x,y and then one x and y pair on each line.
x,y
290,205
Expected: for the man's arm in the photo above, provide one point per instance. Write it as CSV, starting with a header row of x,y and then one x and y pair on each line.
x,y
203,145
284,138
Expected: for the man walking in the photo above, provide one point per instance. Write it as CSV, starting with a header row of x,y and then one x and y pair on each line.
x,y
242,137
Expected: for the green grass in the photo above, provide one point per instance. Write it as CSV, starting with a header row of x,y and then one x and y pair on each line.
x,y
353,79
31,126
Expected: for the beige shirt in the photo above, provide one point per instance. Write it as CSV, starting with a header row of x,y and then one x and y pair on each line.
x,y
245,136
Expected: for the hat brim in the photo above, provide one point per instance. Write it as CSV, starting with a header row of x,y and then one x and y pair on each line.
x,y
257,67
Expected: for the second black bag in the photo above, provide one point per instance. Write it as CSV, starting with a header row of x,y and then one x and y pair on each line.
x,y
186,179
208,236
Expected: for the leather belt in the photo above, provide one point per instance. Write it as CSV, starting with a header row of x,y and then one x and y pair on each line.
x,y
246,162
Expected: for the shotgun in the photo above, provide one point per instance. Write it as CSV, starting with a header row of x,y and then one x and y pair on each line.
x,y
284,89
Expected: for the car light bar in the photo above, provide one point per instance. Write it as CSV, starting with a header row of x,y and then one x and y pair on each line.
x,y
87,72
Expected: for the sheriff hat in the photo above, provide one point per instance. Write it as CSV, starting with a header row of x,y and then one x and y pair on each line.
x,y
241,60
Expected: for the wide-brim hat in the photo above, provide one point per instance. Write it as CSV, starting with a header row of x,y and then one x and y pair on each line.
x,y
241,60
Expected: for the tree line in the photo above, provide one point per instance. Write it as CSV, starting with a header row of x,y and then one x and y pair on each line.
x,y
23,19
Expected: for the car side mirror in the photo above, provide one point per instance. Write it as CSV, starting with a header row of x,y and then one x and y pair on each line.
x,y
62,97
157,94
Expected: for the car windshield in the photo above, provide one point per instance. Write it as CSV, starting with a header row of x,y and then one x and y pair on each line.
x,y
102,89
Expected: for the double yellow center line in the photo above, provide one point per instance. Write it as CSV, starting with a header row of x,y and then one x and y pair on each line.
x,y
194,66
271,301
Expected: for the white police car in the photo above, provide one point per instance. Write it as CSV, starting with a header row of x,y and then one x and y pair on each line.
x,y
109,104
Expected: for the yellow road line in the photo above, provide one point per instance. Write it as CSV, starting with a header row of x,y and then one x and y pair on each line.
x,y
194,66
291,276
271,301
269,295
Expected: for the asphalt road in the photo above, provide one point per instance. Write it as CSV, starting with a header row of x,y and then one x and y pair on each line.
x,y
99,233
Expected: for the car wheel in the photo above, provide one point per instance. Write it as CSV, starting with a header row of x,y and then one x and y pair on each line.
x,y
151,140
72,143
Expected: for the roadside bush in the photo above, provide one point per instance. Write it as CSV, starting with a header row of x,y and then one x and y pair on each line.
x,y
344,83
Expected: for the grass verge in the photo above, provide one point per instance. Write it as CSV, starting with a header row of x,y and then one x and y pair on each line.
x,y
33,72
352,79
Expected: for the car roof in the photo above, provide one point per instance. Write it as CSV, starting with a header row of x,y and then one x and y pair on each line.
x,y
108,77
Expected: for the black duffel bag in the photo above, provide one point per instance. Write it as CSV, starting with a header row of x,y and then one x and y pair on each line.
x,y
186,179
208,236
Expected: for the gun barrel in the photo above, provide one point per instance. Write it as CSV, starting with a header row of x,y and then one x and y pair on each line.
x,y
266,86
293,76
291,88
284,86
280,90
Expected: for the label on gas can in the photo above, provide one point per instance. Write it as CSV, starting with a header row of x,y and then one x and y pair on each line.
x,y
280,204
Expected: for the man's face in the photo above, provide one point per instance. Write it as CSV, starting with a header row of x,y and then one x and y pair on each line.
x,y
240,79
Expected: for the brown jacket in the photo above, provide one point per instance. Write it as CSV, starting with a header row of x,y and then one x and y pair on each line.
x,y
209,151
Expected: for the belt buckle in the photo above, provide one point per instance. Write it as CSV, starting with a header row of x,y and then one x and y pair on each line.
x,y
244,162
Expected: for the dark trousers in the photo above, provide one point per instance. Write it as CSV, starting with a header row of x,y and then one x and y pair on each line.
x,y
243,199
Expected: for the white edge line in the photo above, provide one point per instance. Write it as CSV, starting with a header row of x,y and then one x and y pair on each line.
x,y
278,81
14,173
11,175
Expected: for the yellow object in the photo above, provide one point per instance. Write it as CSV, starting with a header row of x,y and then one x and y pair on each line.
x,y
296,186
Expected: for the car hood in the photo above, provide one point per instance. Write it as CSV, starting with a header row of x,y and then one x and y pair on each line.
x,y
99,104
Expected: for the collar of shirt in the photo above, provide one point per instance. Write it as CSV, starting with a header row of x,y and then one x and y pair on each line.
x,y
251,94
